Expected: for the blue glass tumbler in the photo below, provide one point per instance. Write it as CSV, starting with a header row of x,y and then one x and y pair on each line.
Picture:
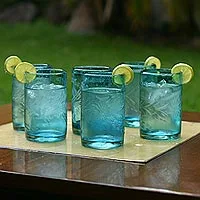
x,y
102,111
18,101
160,104
132,112
76,92
46,106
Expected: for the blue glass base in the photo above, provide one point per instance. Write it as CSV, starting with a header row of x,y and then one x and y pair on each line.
x,y
45,136
160,135
18,127
101,143
132,122
76,129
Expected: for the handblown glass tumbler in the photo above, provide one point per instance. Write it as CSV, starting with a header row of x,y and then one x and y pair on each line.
x,y
76,92
46,106
102,111
132,97
160,104
18,100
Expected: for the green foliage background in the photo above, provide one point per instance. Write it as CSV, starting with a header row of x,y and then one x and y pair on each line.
x,y
41,42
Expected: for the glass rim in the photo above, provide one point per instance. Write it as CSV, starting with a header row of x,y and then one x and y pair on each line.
x,y
41,64
158,72
90,67
48,71
134,64
102,74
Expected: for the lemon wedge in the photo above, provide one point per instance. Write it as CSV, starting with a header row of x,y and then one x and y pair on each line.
x,y
187,72
21,69
10,63
126,71
152,61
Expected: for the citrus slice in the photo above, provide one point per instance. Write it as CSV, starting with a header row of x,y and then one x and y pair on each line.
x,y
151,62
126,71
10,63
21,69
187,72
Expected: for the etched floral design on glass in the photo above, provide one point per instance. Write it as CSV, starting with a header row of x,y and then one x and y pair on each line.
x,y
103,112
76,92
160,106
46,106
132,97
18,100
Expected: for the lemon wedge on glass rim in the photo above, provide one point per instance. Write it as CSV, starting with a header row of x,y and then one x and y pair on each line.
x,y
21,69
126,71
187,72
10,63
152,61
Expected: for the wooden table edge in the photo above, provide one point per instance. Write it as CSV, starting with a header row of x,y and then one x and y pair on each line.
x,y
77,189
106,191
